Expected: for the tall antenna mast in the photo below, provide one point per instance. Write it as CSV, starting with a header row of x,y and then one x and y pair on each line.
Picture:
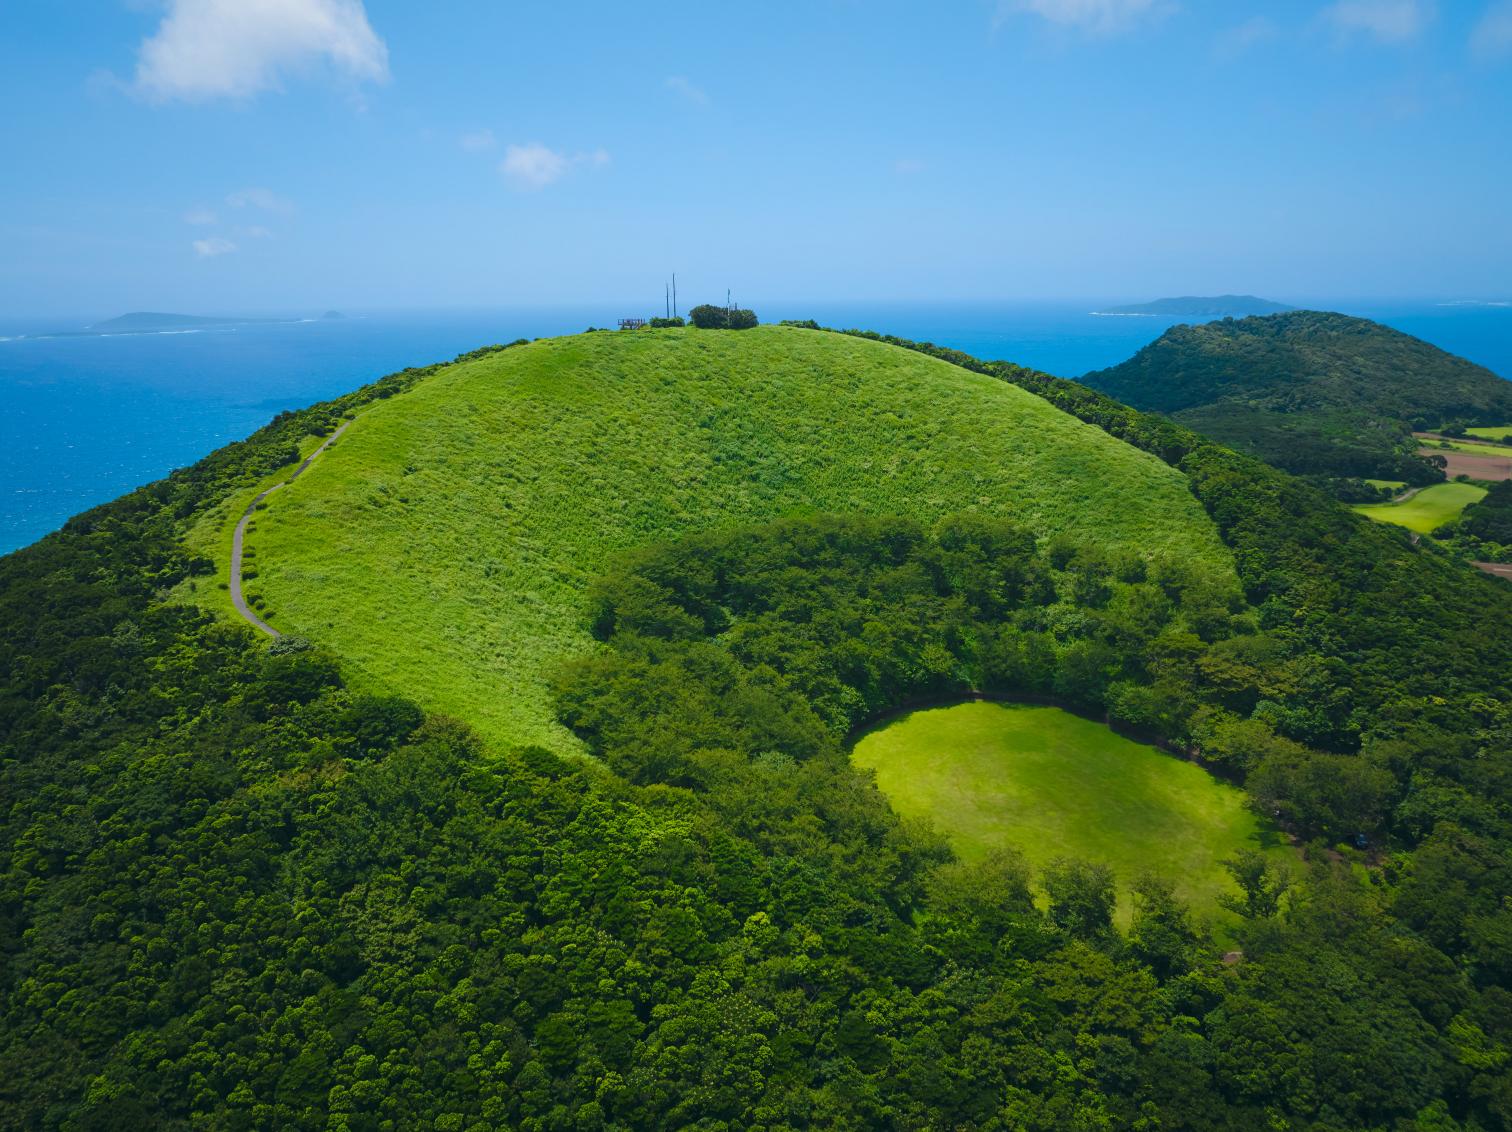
x,y
668,297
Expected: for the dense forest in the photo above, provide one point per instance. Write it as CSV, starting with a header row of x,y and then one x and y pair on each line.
x,y
236,894
1313,393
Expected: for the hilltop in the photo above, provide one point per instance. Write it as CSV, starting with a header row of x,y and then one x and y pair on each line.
x,y
1202,307
1309,391
445,544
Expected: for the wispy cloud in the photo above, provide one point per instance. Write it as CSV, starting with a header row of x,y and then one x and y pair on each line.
x,y
1243,37
199,217
265,199
478,141
208,49
1099,17
1492,37
531,167
1386,21
213,246
685,88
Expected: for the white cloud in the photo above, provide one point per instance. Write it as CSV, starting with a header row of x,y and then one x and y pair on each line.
x,y
534,166
1101,17
214,246
478,141
685,88
1387,21
235,48
199,217
265,199
1492,37
1238,39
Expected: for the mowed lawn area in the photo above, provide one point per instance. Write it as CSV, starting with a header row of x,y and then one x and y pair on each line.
x,y
1428,510
1052,784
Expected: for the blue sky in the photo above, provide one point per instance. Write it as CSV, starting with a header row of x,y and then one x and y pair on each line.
x,y
255,155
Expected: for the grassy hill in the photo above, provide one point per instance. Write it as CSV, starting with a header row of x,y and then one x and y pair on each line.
x,y
1311,392
443,545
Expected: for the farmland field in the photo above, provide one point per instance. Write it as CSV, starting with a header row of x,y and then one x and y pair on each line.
x,y
1469,447
444,545
1428,509
1491,432
1053,784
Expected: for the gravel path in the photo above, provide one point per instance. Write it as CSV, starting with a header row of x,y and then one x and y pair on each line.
x,y
240,536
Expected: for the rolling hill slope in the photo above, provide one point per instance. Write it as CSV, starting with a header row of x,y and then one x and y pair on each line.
x,y
444,544
1310,392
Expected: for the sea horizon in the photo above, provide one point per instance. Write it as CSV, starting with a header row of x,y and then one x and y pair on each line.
x,y
93,416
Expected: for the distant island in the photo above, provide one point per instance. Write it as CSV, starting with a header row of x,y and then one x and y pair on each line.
x,y
147,322
1197,306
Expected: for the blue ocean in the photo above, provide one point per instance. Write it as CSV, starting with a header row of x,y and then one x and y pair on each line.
x,y
87,418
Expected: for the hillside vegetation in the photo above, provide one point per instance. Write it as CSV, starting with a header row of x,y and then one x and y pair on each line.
x,y
443,546
238,892
1050,784
1310,392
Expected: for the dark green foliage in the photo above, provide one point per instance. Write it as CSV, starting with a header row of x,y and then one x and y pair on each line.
x,y
234,894
1310,392
1491,518
666,322
709,317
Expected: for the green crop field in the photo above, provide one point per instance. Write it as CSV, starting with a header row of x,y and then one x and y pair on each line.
x,y
444,544
1470,447
1491,432
1428,510
1053,784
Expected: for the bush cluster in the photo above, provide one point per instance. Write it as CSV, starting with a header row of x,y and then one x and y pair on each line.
x,y
709,317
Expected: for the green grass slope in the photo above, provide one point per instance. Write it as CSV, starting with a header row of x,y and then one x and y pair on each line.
x,y
444,544
1052,784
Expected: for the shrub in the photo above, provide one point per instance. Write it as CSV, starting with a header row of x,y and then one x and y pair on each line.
x,y
658,322
709,317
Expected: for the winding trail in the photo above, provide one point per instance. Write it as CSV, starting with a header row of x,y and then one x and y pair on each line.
x,y
240,536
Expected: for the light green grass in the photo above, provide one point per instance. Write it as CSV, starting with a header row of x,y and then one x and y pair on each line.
x,y
1428,510
1492,432
1053,784
1469,447
444,545
1389,485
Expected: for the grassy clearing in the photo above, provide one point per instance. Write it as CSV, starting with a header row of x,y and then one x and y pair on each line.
x,y
1490,432
1053,784
1389,485
443,546
1428,510
1469,447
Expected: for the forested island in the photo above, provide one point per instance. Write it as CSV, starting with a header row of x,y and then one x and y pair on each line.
x,y
1200,307
538,807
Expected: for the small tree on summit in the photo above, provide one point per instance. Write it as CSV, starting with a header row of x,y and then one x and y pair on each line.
x,y
709,317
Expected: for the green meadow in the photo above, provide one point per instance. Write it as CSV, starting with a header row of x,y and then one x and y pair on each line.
x,y
1490,432
444,545
1470,447
1428,510
1052,784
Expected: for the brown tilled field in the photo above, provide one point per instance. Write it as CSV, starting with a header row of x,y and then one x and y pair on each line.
x,y
1476,467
